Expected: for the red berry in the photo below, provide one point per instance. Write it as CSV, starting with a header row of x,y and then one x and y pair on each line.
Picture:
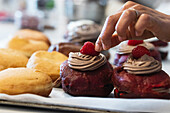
x,y
89,49
116,92
134,42
139,51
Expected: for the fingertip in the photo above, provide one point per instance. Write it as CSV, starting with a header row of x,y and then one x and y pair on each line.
x,y
105,48
97,47
121,38
137,33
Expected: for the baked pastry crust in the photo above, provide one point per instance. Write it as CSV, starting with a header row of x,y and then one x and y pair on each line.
x,y
47,62
15,81
11,58
26,46
32,35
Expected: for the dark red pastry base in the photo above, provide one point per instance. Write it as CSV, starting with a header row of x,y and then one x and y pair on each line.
x,y
89,83
140,86
119,59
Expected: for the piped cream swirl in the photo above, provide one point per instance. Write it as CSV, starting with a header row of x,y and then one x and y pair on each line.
x,y
85,62
84,32
124,48
143,65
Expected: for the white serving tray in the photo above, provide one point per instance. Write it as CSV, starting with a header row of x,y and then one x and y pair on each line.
x,y
62,101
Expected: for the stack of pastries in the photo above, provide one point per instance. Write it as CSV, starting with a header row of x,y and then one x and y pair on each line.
x,y
88,73
27,67
31,64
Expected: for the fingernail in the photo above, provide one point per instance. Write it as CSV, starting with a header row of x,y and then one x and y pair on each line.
x,y
122,38
105,48
97,47
137,34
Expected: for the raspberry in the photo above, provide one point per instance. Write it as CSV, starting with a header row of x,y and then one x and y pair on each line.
x,y
89,49
134,42
139,51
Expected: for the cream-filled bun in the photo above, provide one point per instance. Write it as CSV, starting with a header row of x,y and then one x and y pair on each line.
x,y
15,81
10,58
27,46
47,62
32,35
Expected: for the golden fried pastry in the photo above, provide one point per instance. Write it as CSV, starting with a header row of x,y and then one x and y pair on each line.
x,y
15,81
47,62
26,46
32,35
10,58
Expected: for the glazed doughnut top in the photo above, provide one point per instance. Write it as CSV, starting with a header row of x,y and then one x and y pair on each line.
x,y
143,65
85,62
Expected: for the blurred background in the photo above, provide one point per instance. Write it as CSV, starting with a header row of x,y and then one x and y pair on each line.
x,y
55,14
52,16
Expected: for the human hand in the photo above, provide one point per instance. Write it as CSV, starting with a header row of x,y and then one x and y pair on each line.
x,y
133,22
